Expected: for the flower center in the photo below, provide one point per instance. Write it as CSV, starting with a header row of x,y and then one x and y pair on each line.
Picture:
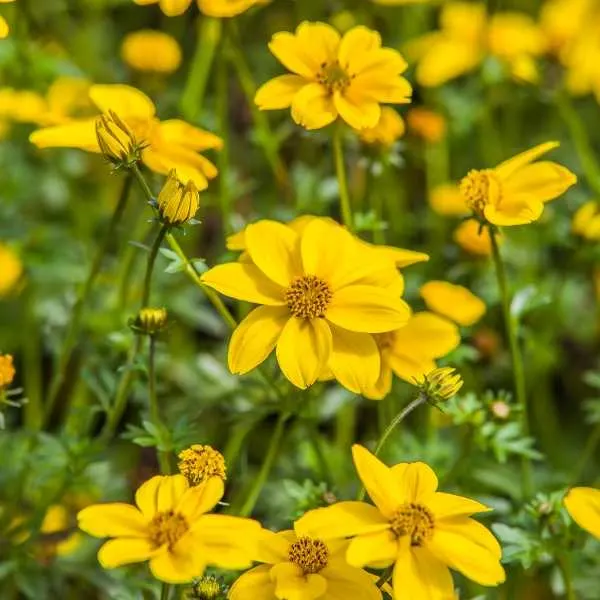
x,y
385,340
475,187
199,462
308,297
414,520
167,527
310,555
334,77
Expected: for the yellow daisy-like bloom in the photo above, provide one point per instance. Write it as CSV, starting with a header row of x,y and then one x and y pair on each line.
x,y
453,301
388,130
7,370
152,51
333,76
302,567
514,192
199,463
170,528
11,270
583,504
427,124
211,8
412,526
322,295
172,144
474,238
410,352
586,221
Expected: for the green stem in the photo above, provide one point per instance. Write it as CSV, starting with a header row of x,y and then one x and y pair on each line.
x,y
418,401
589,451
150,265
32,358
515,352
165,591
163,457
77,313
564,565
340,169
266,467
385,577
224,159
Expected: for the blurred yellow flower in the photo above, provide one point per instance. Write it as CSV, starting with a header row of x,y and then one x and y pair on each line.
x,y
415,528
199,463
446,199
177,203
453,301
473,238
333,76
57,523
563,21
172,144
402,2
427,124
170,528
410,352
586,221
583,504
514,192
322,296
171,8
4,28
211,8
7,370
388,130
152,51
11,270
302,567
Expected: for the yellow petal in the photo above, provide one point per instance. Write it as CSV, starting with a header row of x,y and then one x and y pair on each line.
x,y
426,335
359,114
255,583
292,584
313,108
279,92
543,180
379,547
421,576
416,480
236,241
510,166
161,162
273,547
171,489
357,46
180,132
174,8
583,504
345,582
146,496
354,360
77,134
124,551
341,520
400,256
114,519
408,367
468,547
383,385
255,338
303,350
473,238
4,29
446,199
244,281
126,101
274,249
453,301
378,480
180,564
443,505
446,59
368,309
201,498
516,210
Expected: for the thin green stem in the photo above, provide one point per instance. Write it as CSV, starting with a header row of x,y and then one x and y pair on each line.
x,y
162,456
564,564
385,577
589,451
266,466
150,265
340,169
515,351
224,158
418,401
165,591
32,358
77,313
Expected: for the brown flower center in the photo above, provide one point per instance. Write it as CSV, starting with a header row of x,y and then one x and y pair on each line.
x,y
310,555
475,188
308,297
167,527
334,77
385,340
414,520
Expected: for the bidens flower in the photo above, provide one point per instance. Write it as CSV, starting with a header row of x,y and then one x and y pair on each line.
x,y
150,320
4,28
199,463
11,270
514,192
167,145
427,124
7,370
303,567
455,302
474,238
177,203
583,504
440,384
212,8
170,528
412,526
333,76
152,51
388,130
586,221
322,296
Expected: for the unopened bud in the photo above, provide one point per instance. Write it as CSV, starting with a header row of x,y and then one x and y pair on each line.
x,y
441,384
206,588
116,140
7,370
177,203
150,321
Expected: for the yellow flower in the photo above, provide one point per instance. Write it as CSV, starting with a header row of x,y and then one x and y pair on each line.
x,y
11,270
410,352
302,567
388,130
198,463
474,238
4,29
440,384
426,123
563,21
453,301
586,221
170,528
153,51
212,8
172,144
333,76
583,504
446,199
412,526
322,295
400,2
514,192
57,521
151,320
116,140
7,370
177,203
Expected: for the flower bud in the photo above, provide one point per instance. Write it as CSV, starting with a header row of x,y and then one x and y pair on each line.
x,y
150,320
7,370
206,588
177,203
198,463
116,140
441,384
